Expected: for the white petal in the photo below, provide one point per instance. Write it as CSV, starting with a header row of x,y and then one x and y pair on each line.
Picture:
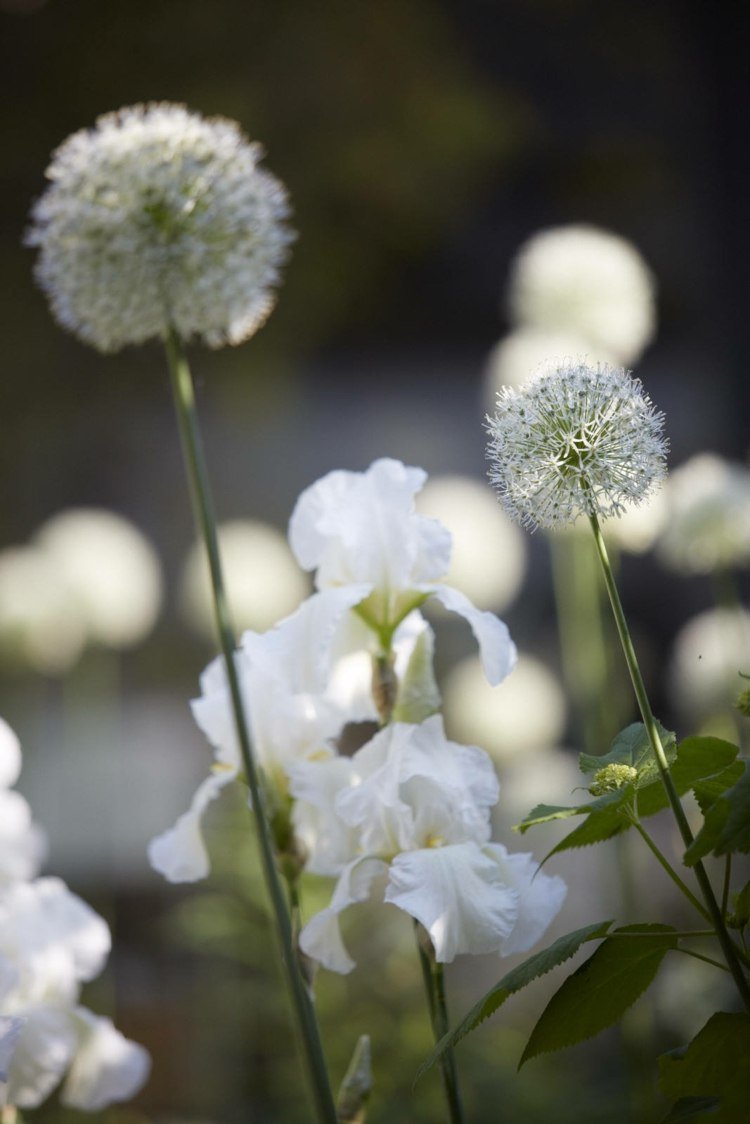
x,y
330,842
10,1030
321,936
107,1066
180,853
23,845
496,649
362,527
10,755
540,896
43,1051
458,895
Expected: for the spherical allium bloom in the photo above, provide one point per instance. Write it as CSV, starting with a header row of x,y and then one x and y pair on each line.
x,y
708,516
585,282
577,440
709,653
158,218
527,352
40,626
263,581
111,570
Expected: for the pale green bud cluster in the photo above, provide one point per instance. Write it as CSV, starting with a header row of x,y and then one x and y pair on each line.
x,y
612,777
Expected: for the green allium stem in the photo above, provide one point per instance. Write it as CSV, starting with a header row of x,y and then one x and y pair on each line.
x,y
712,906
192,448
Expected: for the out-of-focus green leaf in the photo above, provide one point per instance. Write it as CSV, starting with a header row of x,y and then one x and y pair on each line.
x,y
705,760
601,990
632,747
714,1064
726,826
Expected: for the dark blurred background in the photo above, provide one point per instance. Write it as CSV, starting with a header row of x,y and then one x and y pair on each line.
x,y
422,141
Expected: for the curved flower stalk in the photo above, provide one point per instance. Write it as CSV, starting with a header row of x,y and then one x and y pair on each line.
x,y
587,441
362,528
51,943
416,807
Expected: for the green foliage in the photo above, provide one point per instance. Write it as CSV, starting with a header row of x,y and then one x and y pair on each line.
x,y
740,915
538,965
703,763
713,1065
632,747
601,990
726,824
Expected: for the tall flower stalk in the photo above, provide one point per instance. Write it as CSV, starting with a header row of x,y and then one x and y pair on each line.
x,y
583,440
159,224
192,447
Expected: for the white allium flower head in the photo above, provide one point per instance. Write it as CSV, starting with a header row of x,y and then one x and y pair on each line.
x,y
578,440
527,352
587,282
709,652
111,570
40,625
708,516
157,218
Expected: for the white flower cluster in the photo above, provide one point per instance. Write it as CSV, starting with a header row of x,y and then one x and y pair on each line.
x,y
707,524
51,943
576,440
408,804
158,218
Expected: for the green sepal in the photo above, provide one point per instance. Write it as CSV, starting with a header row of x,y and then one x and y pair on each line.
x,y
599,992
713,1065
726,826
522,975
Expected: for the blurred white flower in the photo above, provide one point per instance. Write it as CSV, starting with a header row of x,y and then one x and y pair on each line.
x,y
587,282
262,579
488,560
707,525
527,352
111,570
107,1067
577,440
158,218
40,626
636,529
708,654
418,807
525,713
362,528
23,844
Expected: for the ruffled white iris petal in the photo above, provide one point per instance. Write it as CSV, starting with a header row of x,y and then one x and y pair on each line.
x,y
10,1030
107,1066
496,649
23,845
540,896
458,894
321,937
329,842
53,937
361,527
10,756
43,1051
180,853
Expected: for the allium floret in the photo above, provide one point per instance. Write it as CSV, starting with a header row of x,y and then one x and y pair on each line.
x,y
158,218
578,439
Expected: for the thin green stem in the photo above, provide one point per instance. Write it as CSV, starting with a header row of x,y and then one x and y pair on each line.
x,y
670,870
715,914
192,448
705,959
727,884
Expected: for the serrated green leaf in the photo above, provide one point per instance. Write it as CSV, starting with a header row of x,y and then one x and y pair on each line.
x,y
632,747
537,965
740,917
696,760
545,813
687,1108
713,1065
601,990
726,826
596,828
708,791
